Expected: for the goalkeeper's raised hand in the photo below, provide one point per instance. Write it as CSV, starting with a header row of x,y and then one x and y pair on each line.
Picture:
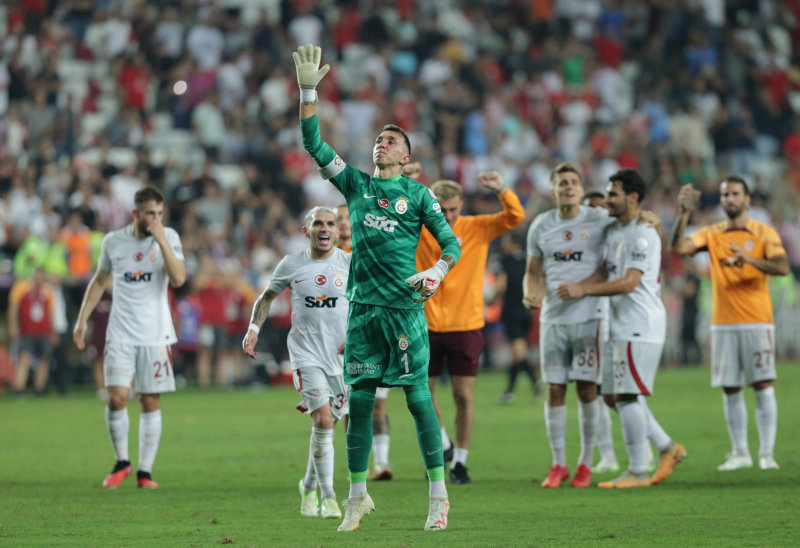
x,y
309,73
426,283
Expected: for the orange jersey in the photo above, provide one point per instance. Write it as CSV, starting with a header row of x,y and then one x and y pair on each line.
x,y
458,304
740,292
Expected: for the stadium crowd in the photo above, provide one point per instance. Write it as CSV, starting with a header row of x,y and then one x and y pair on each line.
x,y
98,98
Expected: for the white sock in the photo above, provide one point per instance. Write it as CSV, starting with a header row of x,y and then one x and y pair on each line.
x,y
118,424
605,443
358,490
149,436
459,455
322,453
655,433
634,430
556,420
587,419
736,418
310,478
766,419
446,443
437,489
380,448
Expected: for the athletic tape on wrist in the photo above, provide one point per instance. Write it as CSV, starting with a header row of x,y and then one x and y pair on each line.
x,y
254,327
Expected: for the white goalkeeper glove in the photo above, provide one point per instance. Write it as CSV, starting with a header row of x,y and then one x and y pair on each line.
x,y
306,61
426,283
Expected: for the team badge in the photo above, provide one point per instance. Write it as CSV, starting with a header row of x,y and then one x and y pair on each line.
x,y
138,256
749,245
320,279
384,203
153,257
402,342
338,279
567,235
584,234
401,205
641,244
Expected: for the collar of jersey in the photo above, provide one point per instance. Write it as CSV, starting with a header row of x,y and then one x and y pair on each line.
x,y
395,178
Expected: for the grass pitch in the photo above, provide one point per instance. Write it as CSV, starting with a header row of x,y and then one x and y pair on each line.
x,y
229,463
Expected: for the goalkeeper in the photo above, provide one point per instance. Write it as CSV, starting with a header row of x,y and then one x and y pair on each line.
x,y
387,335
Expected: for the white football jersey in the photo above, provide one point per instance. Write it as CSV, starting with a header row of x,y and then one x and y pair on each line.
x,y
319,308
639,315
572,250
140,313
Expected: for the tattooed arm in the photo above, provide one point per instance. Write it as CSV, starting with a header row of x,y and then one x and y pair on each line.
x,y
257,319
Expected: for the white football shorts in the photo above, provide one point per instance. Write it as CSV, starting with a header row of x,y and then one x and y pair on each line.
x,y
319,388
742,353
151,365
629,367
570,352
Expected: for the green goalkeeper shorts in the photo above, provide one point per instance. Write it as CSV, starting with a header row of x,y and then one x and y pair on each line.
x,y
387,345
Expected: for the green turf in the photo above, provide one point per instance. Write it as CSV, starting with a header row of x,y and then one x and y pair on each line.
x,y
229,463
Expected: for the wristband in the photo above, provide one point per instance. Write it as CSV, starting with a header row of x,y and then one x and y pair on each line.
x,y
443,265
254,327
308,95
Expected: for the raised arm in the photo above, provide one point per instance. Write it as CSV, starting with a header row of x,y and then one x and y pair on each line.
x,y
309,74
678,242
513,213
257,319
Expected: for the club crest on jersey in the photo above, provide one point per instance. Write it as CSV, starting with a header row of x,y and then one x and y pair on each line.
x,y
584,234
320,279
402,342
401,205
153,257
567,235
384,203
338,279
138,256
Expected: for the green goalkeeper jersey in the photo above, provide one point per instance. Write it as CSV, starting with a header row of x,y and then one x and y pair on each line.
x,y
386,217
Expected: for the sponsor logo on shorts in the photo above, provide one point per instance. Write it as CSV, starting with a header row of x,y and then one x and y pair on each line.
x,y
402,342
380,222
362,368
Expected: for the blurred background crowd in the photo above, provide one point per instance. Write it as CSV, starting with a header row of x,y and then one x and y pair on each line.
x,y
199,98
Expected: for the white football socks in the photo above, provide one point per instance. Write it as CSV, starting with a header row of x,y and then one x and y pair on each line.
x,y
766,420
655,433
446,442
587,419
459,455
736,418
322,453
634,431
437,489
556,420
149,437
380,448
605,443
118,424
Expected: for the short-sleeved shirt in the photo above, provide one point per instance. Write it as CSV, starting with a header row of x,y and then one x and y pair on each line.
x,y
140,313
639,315
319,308
740,291
571,249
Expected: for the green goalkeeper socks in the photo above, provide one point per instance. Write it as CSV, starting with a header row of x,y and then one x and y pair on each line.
x,y
418,399
359,429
